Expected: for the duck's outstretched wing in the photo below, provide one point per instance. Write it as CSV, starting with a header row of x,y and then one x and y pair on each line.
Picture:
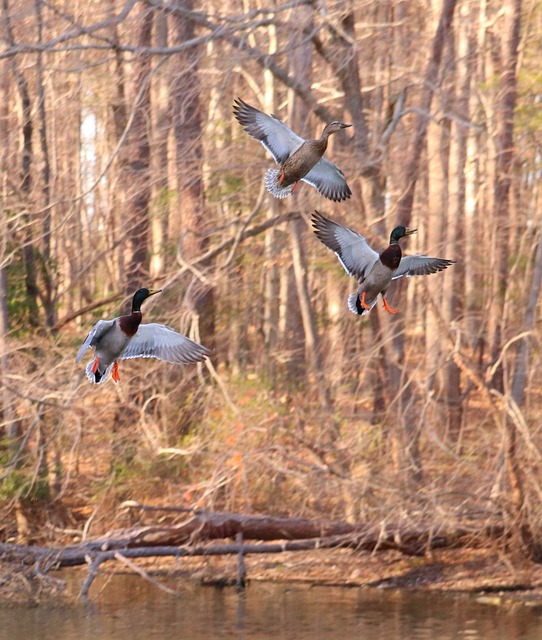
x,y
158,341
329,180
96,333
420,265
275,136
355,255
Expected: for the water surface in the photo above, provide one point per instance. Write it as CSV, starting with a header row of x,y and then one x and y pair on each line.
x,y
127,607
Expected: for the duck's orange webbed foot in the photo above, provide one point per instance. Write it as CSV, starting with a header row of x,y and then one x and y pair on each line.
x,y
115,372
95,364
295,187
363,303
388,308
281,177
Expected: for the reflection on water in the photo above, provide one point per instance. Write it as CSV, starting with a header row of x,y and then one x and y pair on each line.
x,y
128,607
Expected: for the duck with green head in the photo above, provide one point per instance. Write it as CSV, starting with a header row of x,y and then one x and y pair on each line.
x,y
299,159
125,337
373,271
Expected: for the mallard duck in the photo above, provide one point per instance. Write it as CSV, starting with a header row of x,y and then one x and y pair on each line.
x,y
125,337
299,159
373,271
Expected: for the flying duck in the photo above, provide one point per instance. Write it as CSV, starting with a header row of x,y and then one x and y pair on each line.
x,y
374,272
299,159
125,337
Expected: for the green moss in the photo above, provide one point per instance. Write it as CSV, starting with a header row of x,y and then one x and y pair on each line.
x,y
20,484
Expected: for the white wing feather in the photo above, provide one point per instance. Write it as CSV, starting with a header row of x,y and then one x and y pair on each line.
x,y
158,341
276,137
329,180
355,255
420,265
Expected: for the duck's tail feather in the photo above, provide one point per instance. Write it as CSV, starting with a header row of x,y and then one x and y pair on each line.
x,y
272,177
100,375
354,304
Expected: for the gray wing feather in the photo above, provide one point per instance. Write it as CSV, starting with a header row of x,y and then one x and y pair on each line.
x,y
158,341
420,265
95,335
329,180
276,137
355,255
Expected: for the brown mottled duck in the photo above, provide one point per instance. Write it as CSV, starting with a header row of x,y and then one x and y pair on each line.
x,y
299,159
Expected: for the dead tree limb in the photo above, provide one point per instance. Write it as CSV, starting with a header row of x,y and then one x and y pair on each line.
x,y
290,534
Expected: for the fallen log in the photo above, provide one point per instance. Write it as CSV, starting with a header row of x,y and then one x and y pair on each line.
x,y
291,534
204,525
294,534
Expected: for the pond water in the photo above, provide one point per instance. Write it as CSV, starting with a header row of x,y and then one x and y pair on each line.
x,y
127,607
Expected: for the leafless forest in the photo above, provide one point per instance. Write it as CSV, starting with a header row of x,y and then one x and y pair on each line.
x,y
122,166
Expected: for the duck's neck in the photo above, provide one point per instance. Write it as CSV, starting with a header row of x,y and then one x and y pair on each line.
x,y
130,323
391,257
321,143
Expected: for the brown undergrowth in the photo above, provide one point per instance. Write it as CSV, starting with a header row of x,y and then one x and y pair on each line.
x,y
223,442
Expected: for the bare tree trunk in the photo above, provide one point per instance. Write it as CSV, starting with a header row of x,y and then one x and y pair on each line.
x,y
186,117
343,60
47,295
161,208
120,122
11,425
406,202
404,434
273,245
519,382
312,342
11,428
290,327
506,103
300,66
504,167
138,160
28,251
453,291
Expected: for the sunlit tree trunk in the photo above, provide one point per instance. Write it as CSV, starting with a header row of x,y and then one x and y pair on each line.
x,y
431,231
138,161
161,189
273,243
453,289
